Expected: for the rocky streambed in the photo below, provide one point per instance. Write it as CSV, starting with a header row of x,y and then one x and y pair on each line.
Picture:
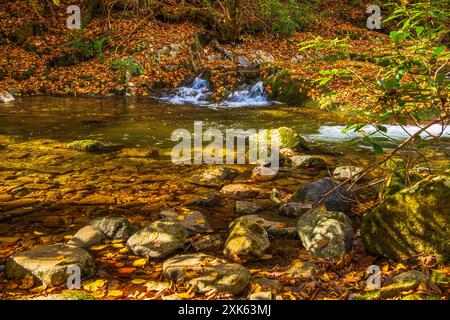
x,y
140,227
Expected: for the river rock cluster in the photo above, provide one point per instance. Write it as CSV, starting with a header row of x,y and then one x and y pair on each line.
x,y
316,214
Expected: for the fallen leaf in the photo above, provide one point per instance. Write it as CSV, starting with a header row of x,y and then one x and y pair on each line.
x,y
94,285
140,262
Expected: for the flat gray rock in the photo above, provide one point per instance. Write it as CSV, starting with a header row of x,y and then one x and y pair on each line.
x,y
194,221
49,264
86,237
114,227
207,273
158,239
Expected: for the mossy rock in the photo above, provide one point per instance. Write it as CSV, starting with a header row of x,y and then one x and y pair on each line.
x,y
77,295
287,88
414,221
248,240
87,146
440,278
390,291
291,139
419,296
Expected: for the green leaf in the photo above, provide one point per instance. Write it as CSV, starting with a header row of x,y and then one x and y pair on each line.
x,y
438,50
377,148
419,30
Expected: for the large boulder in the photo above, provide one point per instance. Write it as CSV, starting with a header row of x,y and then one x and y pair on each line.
x,y
325,234
49,264
414,221
158,239
114,227
314,192
248,240
206,273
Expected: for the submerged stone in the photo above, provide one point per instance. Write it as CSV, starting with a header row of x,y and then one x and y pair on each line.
x,y
87,146
319,192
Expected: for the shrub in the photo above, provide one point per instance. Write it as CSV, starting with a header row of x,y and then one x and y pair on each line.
x,y
127,66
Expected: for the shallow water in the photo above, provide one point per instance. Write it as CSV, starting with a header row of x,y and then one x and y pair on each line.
x,y
146,122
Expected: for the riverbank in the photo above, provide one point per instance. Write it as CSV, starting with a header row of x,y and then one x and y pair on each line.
x,y
146,57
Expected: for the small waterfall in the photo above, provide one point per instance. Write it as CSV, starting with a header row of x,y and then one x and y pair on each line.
x,y
196,94
251,96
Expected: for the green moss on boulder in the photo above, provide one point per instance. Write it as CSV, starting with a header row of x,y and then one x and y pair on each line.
x,y
87,146
287,88
414,221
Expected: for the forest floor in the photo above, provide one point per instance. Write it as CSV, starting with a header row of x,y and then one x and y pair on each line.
x,y
36,52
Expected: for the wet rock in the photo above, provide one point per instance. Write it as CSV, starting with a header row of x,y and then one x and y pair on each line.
x,y
414,221
49,264
409,276
5,97
207,273
262,174
286,153
87,146
214,178
248,240
306,161
239,191
207,242
19,203
262,295
86,237
293,209
158,239
138,153
291,140
96,199
346,172
194,221
247,207
303,269
338,200
275,228
114,227
325,234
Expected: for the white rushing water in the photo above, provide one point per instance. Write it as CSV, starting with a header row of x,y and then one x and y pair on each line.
x,y
198,94
251,96
332,133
